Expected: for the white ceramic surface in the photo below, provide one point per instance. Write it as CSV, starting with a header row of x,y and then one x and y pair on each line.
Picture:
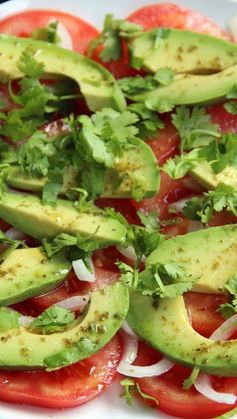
x,y
109,405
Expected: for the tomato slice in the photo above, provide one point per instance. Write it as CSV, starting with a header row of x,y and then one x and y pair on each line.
x,y
174,16
173,399
68,387
24,23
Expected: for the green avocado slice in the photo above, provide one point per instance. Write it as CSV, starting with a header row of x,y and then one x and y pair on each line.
x,y
138,163
26,213
204,175
183,51
23,349
26,273
97,84
210,256
189,89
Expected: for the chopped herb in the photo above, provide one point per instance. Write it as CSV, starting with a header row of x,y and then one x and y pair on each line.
x,y
130,387
150,220
48,33
164,76
195,127
179,166
227,310
201,209
113,32
222,153
188,383
50,193
52,320
137,85
231,106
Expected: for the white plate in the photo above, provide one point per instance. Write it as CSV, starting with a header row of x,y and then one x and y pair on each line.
x,y
109,405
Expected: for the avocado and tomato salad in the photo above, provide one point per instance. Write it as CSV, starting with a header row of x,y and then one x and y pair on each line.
x,y
118,211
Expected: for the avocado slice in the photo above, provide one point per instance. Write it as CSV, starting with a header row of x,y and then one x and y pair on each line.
x,y
183,51
97,84
204,175
210,256
26,273
27,213
21,348
137,162
189,89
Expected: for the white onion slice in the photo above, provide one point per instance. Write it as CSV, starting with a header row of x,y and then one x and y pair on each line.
x,y
203,385
232,24
77,302
15,234
203,382
130,253
64,35
127,329
148,371
226,329
130,354
25,321
81,271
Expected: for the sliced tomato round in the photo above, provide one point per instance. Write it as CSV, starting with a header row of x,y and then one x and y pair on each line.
x,y
175,400
67,387
166,143
174,16
24,23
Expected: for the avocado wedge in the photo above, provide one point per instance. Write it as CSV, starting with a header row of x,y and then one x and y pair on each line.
x,y
204,175
138,163
23,349
26,273
27,213
183,51
189,89
210,256
97,84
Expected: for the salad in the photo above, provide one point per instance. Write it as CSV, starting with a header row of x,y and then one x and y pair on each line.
x,y
118,210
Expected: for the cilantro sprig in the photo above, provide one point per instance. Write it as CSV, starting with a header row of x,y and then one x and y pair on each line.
x,y
228,309
54,319
114,31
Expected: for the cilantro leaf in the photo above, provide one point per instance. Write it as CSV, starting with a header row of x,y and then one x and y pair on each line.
x,y
195,127
130,388
113,32
179,166
150,220
223,197
149,122
52,320
228,309
164,76
50,193
222,153
137,85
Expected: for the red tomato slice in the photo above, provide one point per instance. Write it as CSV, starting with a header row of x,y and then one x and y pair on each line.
x,y
123,206
24,23
68,387
174,16
165,144
226,121
173,399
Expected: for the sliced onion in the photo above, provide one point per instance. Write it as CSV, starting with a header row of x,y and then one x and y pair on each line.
x,y
149,371
64,35
15,234
81,271
232,24
130,354
226,329
75,303
127,329
25,321
203,385
130,253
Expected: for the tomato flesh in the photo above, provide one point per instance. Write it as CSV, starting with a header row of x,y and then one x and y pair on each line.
x,y
24,23
66,387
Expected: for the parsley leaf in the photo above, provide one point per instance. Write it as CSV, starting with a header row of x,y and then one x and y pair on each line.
x,y
195,127
223,197
52,320
113,32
